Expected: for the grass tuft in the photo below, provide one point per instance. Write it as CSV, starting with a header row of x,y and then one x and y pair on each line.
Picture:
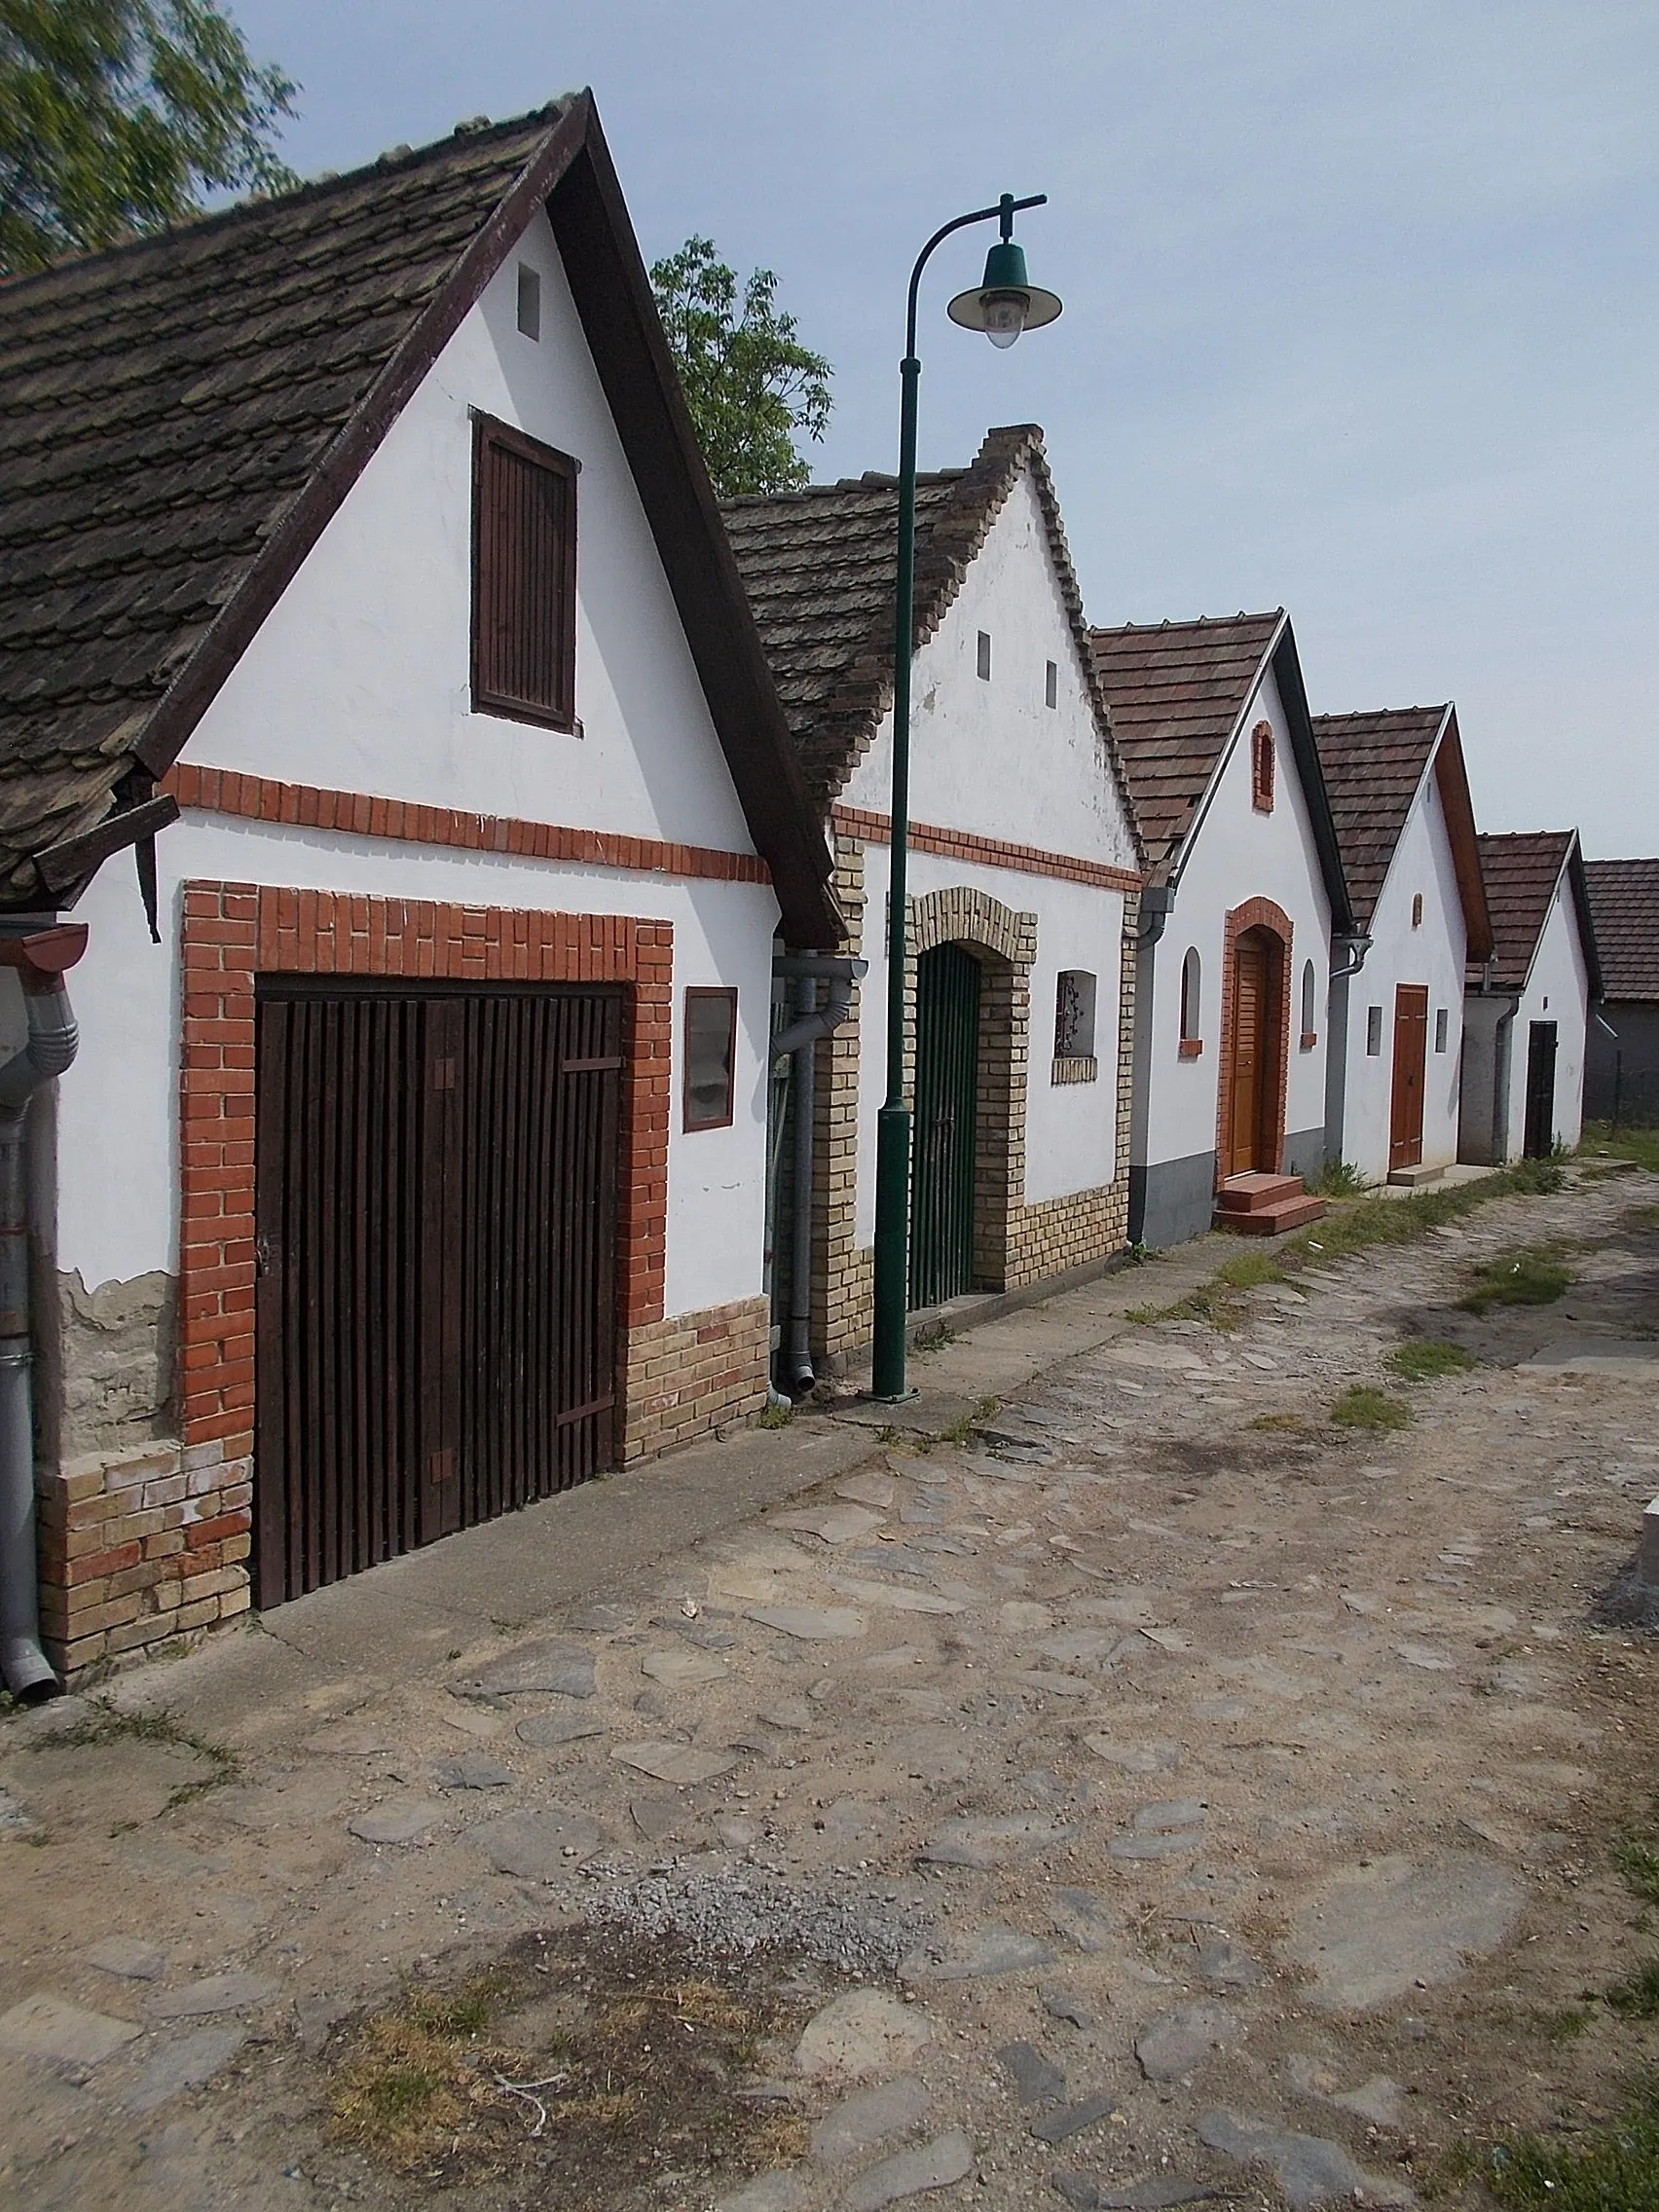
x,y
1531,1275
1362,1407
1636,1998
1339,1179
1611,2168
774,1416
1423,1359
1250,1270
1278,1420
1600,1141
1638,1862
107,1724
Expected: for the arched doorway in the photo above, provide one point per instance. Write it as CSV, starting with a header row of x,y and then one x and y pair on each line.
x,y
1252,1075
945,1135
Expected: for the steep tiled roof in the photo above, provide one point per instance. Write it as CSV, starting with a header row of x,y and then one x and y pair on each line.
x,y
819,568
180,416
161,405
1521,871
1175,691
1374,764
1624,906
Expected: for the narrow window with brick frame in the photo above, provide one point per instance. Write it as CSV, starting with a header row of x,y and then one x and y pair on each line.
x,y
1191,1036
524,579
1262,767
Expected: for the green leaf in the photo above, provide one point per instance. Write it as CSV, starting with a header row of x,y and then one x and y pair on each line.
x,y
116,115
749,381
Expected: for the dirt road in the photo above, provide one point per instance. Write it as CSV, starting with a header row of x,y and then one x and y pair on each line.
x,y
1156,1794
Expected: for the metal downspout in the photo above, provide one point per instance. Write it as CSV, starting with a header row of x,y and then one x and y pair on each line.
x,y
40,956
798,1041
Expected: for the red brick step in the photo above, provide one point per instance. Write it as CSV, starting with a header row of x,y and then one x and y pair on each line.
x,y
1265,1205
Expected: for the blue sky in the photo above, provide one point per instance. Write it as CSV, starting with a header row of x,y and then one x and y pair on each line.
x,y
1362,297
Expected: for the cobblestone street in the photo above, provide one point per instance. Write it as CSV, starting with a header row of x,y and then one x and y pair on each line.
x,y
1141,1791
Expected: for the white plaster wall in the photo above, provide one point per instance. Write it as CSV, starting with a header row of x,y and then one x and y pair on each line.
x,y
1557,990
1431,954
1238,854
991,757
117,1127
1071,1128
360,678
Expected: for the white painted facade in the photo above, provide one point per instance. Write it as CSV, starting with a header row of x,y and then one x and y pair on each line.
x,y
360,680
1557,990
991,758
1430,952
1234,853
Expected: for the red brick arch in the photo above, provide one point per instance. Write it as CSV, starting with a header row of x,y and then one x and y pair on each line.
x,y
1253,914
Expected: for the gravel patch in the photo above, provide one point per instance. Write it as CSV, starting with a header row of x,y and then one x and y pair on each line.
x,y
735,1911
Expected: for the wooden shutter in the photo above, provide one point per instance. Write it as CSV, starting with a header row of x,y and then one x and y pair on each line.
x,y
524,579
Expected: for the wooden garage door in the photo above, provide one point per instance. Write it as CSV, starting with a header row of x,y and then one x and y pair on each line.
x,y
437,1265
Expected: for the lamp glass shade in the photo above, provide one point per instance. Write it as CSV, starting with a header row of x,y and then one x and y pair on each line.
x,y
1006,301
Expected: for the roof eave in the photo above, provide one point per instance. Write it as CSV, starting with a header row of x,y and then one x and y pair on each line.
x,y
1293,696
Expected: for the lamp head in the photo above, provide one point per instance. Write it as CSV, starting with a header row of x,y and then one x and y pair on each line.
x,y
1007,301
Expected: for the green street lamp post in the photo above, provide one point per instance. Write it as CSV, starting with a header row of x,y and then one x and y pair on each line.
x,y
1004,305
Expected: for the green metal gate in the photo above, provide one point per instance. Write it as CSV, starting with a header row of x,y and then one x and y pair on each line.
x,y
941,1179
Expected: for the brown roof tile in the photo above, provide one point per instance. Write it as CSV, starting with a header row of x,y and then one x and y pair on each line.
x,y
1521,871
1373,765
819,568
1175,691
161,405
1624,904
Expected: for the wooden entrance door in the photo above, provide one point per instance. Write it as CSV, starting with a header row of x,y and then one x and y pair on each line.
x,y
1539,1138
437,1219
1254,1137
947,1080
1411,1066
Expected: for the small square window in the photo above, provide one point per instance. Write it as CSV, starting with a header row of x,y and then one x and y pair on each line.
x,y
711,1054
529,300
1074,1015
1442,1024
1373,1031
1051,684
985,656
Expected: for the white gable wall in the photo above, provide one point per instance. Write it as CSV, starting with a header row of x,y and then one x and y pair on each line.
x,y
360,680
1431,954
1235,855
1557,990
991,757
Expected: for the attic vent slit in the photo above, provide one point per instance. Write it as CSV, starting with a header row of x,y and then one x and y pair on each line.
x,y
529,300
984,652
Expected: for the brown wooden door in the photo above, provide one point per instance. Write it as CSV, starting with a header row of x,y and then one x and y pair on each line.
x,y
436,1218
1253,1070
1410,1063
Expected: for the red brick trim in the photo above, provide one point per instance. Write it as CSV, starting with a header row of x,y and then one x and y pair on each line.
x,y
1190,1048
1310,1038
233,931
1255,913
355,814
989,852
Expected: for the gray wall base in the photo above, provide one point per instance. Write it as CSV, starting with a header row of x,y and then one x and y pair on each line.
x,y
1305,1153
1172,1200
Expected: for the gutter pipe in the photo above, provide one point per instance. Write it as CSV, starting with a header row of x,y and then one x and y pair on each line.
x,y
796,1042
40,956
1156,902
1357,948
